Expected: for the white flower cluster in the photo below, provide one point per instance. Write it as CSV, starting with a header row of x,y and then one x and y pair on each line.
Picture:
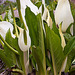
x,y
62,14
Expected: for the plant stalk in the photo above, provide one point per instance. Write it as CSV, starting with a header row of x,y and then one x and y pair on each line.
x,y
9,45
18,70
14,20
1,43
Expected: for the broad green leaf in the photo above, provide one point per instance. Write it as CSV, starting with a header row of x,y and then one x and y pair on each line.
x,y
40,33
4,58
41,42
33,63
73,13
36,33
55,29
52,16
71,57
47,45
49,64
32,23
14,43
69,51
56,51
9,54
69,46
39,59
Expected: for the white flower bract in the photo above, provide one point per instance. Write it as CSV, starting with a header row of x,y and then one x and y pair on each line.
x,y
21,42
4,27
63,14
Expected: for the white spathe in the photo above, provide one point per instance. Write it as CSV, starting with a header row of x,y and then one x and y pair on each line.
x,y
46,15
28,3
4,27
63,14
21,42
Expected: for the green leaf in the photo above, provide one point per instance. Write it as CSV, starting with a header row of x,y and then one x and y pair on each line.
x,y
71,57
56,51
8,52
47,45
68,29
70,45
39,59
14,43
55,29
4,58
33,63
69,51
52,16
38,4
41,43
32,23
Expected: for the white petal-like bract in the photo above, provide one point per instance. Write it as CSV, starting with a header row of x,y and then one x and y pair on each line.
x,y
28,3
45,14
63,14
4,27
21,42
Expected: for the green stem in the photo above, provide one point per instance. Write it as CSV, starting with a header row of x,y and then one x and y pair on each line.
x,y
1,43
18,70
14,20
20,14
74,27
21,19
9,45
